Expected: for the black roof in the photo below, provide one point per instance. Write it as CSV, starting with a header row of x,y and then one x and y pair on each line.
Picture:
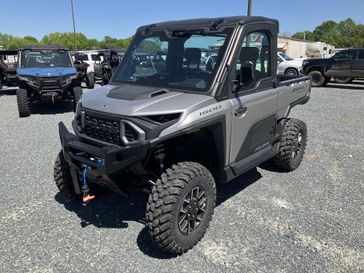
x,y
8,52
43,47
208,22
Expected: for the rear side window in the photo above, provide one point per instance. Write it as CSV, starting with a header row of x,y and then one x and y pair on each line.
x,y
361,55
82,58
95,57
344,55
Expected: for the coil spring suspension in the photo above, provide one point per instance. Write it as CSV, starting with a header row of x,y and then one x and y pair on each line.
x,y
160,155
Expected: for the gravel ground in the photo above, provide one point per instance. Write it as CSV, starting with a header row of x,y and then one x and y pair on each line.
x,y
310,220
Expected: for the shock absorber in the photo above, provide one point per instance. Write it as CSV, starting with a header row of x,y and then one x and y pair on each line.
x,y
160,155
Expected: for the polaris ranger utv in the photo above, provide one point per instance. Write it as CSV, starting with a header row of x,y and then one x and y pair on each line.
x,y
176,127
46,73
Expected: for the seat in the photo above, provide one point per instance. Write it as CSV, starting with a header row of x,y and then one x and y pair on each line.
x,y
193,57
248,59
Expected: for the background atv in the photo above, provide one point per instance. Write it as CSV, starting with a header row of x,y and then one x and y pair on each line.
x,y
82,67
106,68
46,73
8,65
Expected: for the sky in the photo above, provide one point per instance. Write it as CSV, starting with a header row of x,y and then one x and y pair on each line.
x,y
120,19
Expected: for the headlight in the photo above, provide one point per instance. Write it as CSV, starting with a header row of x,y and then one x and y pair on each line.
x,y
26,78
68,78
305,62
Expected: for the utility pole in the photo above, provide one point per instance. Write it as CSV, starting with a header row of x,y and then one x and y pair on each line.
x,y
250,7
74,26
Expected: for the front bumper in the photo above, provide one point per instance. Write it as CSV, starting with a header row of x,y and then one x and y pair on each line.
x,y
100,161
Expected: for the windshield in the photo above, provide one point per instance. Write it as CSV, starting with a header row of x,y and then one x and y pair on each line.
x,y
286,57
45,58
177,60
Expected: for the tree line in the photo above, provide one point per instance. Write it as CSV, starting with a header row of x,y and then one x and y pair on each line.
x,y
344,34
73,42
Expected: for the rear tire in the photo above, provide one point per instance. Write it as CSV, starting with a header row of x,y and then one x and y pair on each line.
x,y
62,176
343,80
23,103
180,207
291,72
292,145
77,93
318,79
90,80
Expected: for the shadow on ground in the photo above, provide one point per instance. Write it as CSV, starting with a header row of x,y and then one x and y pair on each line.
x,y
46,108
7,92
112,210
349,86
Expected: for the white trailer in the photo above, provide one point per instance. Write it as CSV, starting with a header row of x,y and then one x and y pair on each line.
x,y
297,48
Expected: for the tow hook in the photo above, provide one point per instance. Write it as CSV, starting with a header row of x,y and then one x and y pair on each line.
x,y
86,196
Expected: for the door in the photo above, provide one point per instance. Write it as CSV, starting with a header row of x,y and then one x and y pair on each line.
x,y
358,65
254,102
340,65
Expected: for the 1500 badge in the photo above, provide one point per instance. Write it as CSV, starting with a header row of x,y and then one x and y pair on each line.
x,y
213,109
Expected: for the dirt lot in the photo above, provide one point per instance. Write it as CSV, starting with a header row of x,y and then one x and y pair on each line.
x,y
310,220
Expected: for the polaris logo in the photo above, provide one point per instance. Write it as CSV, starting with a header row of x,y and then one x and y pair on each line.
x,y
213,109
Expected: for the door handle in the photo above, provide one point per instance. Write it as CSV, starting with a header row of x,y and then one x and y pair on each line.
x,y
240,111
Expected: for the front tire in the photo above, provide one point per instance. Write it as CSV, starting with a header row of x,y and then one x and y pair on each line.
x,y
180,207
90,80
291,72
77,93
292,145
23,103
318,79
62,176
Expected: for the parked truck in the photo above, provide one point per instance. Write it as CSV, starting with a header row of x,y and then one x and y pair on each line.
x,y
176,129
343,67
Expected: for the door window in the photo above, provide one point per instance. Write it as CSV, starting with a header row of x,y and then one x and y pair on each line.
x,y
344,55
361,55
254,61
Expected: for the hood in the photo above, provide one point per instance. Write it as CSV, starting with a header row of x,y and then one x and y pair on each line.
x,y
318,60
294,62
47,72
132,100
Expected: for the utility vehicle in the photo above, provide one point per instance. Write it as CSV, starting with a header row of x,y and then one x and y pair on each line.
x,y
46,73
176,128
8,65
80,61
105,69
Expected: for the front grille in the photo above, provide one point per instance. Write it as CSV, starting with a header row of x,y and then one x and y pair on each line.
x,y
102,129
114,130
50,82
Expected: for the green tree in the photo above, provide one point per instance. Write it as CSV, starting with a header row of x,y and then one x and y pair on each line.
x,y
306,35
343,34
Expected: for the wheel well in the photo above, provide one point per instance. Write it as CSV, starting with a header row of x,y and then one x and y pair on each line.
x,y
315,68
204,145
